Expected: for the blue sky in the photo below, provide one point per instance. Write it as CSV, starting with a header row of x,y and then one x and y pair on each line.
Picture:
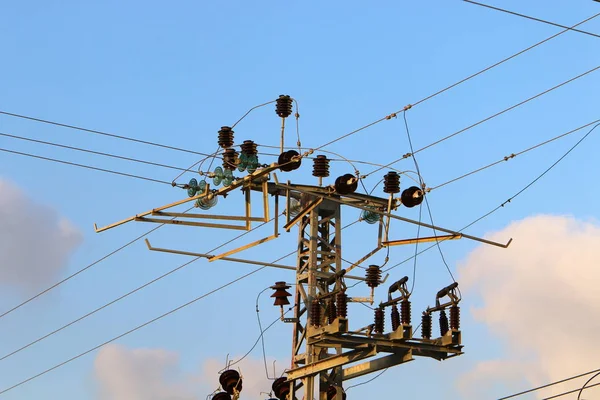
x,y
175,73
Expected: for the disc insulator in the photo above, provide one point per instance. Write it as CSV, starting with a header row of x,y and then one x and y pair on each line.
x,y
370,217
281,295
331,311
405,312
221,396
332,391
342,304
395,317
379,321
346,184
413,196
281,388
373,276
443,323
225,137
231,381
426,326
391,182
455,317
230,159
286,162
315,313
321,166
283,106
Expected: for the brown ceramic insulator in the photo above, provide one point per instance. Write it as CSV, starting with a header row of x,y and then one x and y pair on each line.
x,y
225,137
231,381
222,396
230,159
443,323
391,182
379,321
283,106
281,388
315,313
342,304
332,391
281,295
373,276
395,317
249,148
405,311
331,311
455,317
321,166
426,326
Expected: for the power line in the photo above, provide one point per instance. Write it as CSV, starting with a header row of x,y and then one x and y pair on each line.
x,y
84,166
488,118
126,295
512,155
44,121
531,18
409,106
570,391
91,151
549,384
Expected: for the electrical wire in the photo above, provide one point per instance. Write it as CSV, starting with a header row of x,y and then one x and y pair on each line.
x,y
90,151
585,385
390,116
513,155
531,18
550,384
569,392
96,132
367,381
126,295
488,118
84,166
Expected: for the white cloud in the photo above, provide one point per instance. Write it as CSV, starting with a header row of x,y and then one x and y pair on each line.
x,y
35,243
541,299
140,374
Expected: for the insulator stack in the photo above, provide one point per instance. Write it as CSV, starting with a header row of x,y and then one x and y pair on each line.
x,y
281,388
379,321
405,311
426,326
413,196
332,311
281,295
230,159
225,137
373,276
443,323
321,166
342,304
315,313
283,106
332,391
286,161
346,184
455,317
221,396
231,381
391,182
395,317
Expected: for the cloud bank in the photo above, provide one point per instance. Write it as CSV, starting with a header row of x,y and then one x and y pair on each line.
x,y
35,242
541,299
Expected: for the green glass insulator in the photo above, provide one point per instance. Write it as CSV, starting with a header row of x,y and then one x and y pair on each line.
x,y
191,191
243,162
193,183
227,177
201,187
295,208
207,202
369,217
252,163
218,176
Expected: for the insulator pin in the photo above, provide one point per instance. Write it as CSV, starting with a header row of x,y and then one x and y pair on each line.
x,y
426,326
443,323
342,304
315,313
221,396
395,317
231,381
379,321
332,391
321,166
225,137
455,317
405,311
373,276
283,106
286,161
281,295
281,388
391,182
230,159
411,197
331,311
346,184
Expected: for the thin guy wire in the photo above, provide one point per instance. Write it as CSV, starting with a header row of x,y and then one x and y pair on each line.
x,y
84,166
513,155
503,204
73,275
250,110
125,295
458,83
91,151
489,118
549,384
531,18
44,121
133,329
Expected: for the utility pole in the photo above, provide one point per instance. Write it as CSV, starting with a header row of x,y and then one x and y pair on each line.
x,y
326,349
